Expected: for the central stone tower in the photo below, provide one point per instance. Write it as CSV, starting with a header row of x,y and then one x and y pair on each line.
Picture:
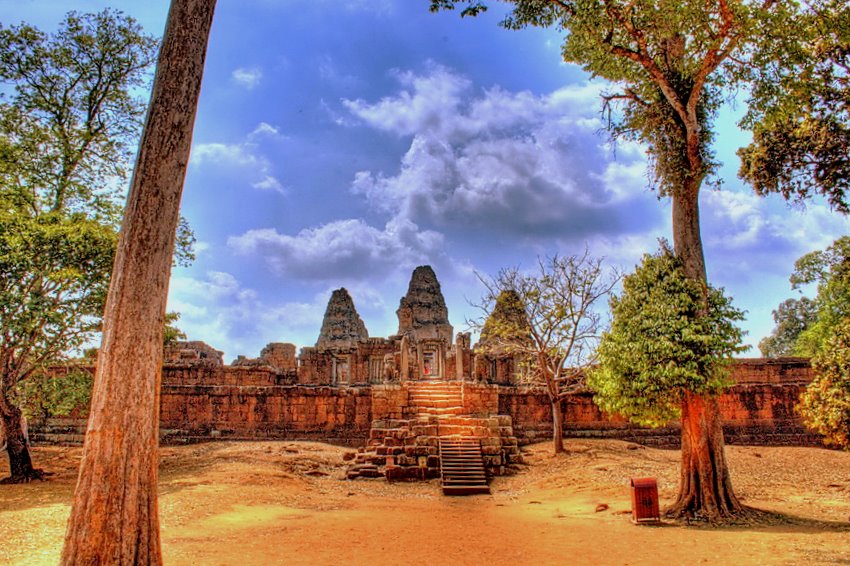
x,y
423,326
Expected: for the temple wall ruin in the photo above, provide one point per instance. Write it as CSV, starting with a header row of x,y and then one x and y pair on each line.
x,y
253,402
758,409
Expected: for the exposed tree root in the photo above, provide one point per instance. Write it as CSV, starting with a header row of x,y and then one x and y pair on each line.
x,y
743,515
34,474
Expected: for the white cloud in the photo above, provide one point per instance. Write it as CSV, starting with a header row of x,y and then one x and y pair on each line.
x,y
269,183
220,311
342,249
517,164
239,155
265,129
248,77
243,161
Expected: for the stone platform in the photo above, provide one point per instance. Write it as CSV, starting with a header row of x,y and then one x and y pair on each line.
x,y
409,448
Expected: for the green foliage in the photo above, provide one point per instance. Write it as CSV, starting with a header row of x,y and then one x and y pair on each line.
x,y
72,122
48,395
825,405
172,334
55,279
792,317
799,110
665,340
804,326
830,270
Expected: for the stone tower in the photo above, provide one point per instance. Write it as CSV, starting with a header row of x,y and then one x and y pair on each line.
x,y
422,312
342,327
423,325
507,324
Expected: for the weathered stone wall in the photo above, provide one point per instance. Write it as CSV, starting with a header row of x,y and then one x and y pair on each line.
x,y
480,399
758,410
263,402
248,376
341,415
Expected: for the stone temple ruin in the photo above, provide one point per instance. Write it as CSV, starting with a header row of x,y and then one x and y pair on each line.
x,y
422,403
425,362
424,348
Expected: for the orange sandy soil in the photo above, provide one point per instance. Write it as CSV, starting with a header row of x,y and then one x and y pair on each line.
x,y
265,503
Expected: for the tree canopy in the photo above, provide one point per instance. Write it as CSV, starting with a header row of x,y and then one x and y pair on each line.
x,y
68,129
799,108
804,326
792,317
73,119
825,405
659,348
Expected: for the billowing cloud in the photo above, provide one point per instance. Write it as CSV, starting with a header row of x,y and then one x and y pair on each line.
x,y
219,310
243,161
519,164
751,236
248,77
342,249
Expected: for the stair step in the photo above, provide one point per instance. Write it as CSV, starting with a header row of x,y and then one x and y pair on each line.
x,y
466,490
462,467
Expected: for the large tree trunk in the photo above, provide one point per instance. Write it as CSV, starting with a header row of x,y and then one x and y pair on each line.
x,y
705,487
114,518
20,463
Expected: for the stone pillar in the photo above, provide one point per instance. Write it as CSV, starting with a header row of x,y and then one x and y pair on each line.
x,y
458,359
405,359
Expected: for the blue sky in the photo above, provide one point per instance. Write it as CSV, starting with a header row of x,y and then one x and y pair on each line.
x,y
343,143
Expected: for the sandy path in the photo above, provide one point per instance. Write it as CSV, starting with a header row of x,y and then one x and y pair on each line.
x,y
283,503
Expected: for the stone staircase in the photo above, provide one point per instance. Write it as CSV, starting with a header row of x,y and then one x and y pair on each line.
x,y
435,398
435,439
462,466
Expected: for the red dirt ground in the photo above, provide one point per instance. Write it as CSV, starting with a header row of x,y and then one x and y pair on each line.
x,y
286,503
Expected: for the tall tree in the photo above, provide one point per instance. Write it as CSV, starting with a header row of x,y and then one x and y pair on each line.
x,y
792,317
114,517
550,322
667,349
799,109
669,63
66,134
825,404
804,326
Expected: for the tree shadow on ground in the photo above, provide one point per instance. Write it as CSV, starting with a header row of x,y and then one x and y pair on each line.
x,y
759,520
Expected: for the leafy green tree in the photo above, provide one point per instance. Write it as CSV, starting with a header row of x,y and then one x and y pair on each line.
x,y
550,321
792,317
799,110
669,64
50,393
804,326
667,350
67,133
73,120
825,405
829,269
172,334
55,278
